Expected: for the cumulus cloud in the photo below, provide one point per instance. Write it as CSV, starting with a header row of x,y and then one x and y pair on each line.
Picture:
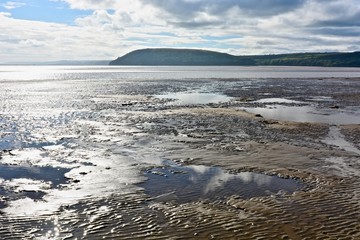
x,y
90,4
23,40
235,26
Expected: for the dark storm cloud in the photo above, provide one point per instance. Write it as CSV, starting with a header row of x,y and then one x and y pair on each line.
x,y
195,24
342,32
342,20
339,14
187,8
257,8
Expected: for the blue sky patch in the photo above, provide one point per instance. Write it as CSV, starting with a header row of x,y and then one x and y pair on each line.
x,y
42,10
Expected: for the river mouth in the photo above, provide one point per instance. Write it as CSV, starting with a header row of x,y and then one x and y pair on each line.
x,y
184,184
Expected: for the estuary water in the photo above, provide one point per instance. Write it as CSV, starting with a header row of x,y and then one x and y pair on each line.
x,y
163,72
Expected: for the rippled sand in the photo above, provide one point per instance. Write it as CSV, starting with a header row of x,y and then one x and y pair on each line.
x,y
104,135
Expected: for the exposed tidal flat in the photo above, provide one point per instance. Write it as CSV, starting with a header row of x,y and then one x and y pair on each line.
x,y
179,152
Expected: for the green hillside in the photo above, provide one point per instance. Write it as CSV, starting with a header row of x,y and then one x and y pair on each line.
x,y
310,59
194,57
165,56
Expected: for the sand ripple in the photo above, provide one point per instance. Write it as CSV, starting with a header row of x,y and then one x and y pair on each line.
x,y
326,212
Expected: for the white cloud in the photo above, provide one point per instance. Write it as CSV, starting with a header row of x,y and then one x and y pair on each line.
x,y
23,40
5,14
12,5
237,27
31,43
91,4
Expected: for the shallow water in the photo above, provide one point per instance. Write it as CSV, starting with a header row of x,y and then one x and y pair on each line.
x,y
150,72
336,138
25,182
308,114
277,100
183,184
194,98
55,176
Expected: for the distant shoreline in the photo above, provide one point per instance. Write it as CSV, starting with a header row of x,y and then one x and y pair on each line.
x,y
196,57
60,63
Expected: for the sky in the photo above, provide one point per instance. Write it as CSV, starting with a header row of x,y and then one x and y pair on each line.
x,y
51,30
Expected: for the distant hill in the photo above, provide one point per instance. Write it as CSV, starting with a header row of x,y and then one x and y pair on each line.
x,y
310,59
194,57
166,56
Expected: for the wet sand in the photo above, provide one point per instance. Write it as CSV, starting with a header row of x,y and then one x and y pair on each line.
x,y
108,135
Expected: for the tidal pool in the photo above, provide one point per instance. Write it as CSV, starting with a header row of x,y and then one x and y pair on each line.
x,y
194,98
183,184
19,182
308,114
277,100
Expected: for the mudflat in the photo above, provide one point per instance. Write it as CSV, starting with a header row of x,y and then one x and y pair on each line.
x,y
229,158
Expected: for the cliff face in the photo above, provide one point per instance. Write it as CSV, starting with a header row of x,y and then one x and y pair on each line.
x,y
193,57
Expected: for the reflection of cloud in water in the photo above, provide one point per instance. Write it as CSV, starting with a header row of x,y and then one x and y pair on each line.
x,y
199,169
25,184
218,181
259,179
218,178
